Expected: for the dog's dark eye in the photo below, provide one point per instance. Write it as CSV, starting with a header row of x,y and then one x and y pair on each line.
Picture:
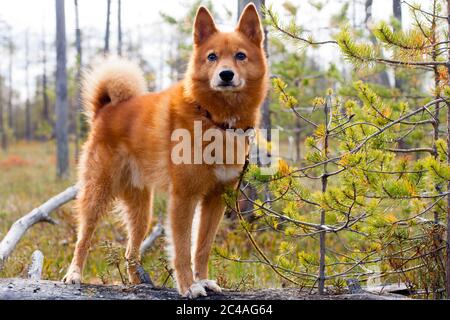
x,y
241,56
212,57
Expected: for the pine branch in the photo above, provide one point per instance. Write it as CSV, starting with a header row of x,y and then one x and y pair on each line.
x,y
364,53
425,12
275,24
399,39
367,139
412,150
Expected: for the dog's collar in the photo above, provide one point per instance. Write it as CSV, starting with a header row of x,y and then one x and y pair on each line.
x,y
223,126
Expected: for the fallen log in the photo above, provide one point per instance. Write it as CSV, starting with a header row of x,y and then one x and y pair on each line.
x,y
24,289
157,231
39,214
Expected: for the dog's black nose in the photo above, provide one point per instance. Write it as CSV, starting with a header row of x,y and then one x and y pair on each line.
x,y
227,75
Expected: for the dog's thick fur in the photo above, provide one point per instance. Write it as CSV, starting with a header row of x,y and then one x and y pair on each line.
x,y
128,153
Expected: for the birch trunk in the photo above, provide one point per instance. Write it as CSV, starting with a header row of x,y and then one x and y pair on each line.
x,y
108,26
61,93
28,129
10,86
119,28
2,118
397,9
46,104
78,102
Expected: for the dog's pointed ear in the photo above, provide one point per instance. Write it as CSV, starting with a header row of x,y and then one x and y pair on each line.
x,y
204,26
250,24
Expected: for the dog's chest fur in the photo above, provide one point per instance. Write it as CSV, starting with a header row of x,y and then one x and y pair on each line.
x,y
225,173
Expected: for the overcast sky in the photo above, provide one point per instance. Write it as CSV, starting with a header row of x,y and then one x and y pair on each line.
x,y
142,15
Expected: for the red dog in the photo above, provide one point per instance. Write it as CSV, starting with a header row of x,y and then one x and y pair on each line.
x,y
129,152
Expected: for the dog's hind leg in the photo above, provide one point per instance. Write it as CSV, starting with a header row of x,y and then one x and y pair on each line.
x,y
212,211
93,202
138,203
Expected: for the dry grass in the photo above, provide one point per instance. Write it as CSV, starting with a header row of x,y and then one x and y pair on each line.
x,y
27,173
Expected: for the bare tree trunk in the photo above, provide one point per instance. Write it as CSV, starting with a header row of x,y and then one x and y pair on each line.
x,y
119,27
28,129
384,78
10,85
172,54
16,123
243,3
108,26
265,110
322,236
368,8
447,264
297,138
354,13
78,81
2,118
397,8
436,123
45,109
61,93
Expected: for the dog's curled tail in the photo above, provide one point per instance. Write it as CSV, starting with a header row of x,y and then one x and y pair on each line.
x,y
111,80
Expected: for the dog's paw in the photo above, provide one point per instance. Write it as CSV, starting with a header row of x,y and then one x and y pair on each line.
x,y
210,285
73,276
195,290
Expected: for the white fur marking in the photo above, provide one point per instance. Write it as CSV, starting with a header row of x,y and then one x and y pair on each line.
x,y
232,122
195,229
136,176
73,276
210,285
226,174
195,290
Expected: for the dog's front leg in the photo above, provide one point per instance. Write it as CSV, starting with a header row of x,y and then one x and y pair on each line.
x,y
181,213
213,208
